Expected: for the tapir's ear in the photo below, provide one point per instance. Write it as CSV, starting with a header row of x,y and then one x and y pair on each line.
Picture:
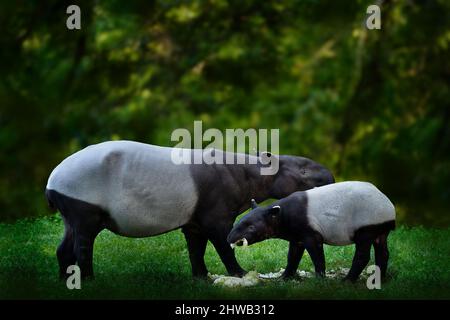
x,y
254,204
275,211
267,157
265,154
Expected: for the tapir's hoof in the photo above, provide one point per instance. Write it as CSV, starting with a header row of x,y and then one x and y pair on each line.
x,y
63,276
349,280
320,275
200,276
288,276
239,273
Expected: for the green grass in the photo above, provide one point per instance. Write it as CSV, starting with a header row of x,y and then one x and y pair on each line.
x,y
158,267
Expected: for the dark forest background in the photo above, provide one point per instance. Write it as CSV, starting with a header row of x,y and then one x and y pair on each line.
x,y
370,104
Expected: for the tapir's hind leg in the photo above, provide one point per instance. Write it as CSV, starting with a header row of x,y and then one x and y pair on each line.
x,y
84,249
364,238
83,221
381,253
66,251
87,221
360,259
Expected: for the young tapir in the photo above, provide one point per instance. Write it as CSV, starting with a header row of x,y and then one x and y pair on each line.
x,y
136,190
337,214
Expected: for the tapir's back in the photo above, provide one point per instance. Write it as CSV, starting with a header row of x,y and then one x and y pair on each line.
x,y
138,184
338,210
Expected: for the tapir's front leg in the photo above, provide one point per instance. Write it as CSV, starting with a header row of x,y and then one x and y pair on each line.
x,y
227,256
196,242
219,239
295,254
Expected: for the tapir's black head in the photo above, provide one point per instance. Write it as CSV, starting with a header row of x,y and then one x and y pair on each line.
x,y
299,174
258,225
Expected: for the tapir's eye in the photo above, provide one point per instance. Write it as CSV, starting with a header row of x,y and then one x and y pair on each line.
x,y
251,228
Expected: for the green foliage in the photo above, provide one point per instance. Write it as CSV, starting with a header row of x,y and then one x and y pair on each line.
x,y
369,104
158,267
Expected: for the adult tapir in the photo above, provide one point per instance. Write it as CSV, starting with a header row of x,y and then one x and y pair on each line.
x,y
136,190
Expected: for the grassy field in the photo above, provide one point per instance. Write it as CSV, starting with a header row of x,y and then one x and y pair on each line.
x,y
158,267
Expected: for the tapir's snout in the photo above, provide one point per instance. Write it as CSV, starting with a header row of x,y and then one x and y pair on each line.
x,y
317,175
233,237
238,238
324,177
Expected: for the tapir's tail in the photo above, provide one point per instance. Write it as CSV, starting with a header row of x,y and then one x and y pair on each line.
x,y
391,225
50,203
